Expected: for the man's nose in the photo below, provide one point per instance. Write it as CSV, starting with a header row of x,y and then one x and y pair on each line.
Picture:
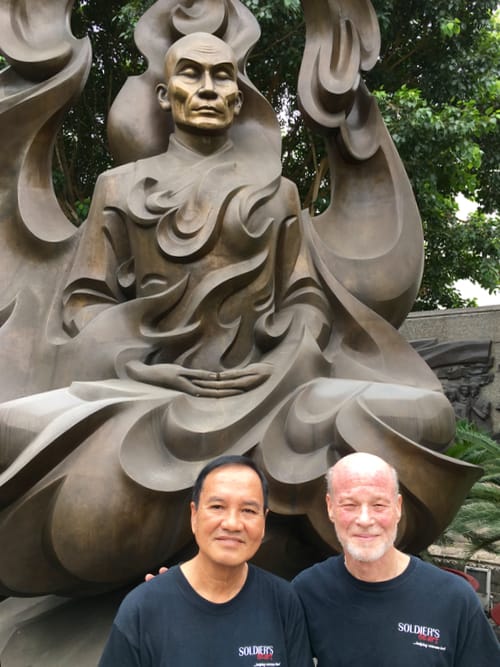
x,y
232,520
364,516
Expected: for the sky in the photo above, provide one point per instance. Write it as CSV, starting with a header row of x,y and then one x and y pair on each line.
x,y
473,290
467,288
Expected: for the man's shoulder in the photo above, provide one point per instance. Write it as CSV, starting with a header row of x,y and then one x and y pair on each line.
x,y
150,594
268,578
316,572
271,584
435,577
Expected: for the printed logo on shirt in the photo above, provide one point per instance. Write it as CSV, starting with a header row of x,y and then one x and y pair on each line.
x,y
425,636
263,654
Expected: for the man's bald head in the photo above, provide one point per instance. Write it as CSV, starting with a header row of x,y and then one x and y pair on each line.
x,y
361,467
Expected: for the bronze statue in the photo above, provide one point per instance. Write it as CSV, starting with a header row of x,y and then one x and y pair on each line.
x,y
200,310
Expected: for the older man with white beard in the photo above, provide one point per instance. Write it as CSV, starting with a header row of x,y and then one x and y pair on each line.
x,y
375,605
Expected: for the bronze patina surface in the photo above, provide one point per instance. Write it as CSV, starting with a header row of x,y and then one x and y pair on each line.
x,y
199,309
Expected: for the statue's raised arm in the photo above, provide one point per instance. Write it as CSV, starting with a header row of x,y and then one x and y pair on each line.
x,y
46,70
370,234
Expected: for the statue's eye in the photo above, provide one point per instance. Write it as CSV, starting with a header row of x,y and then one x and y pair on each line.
x,y
223,74
189,72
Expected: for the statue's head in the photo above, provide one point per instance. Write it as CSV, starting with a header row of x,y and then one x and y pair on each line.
x,y
201,88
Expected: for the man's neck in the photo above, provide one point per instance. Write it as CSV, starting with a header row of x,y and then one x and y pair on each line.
x,y
213,582
391,565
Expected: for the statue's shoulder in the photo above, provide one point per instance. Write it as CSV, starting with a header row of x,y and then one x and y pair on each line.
x,y
288,185
124,176
108,178
289,190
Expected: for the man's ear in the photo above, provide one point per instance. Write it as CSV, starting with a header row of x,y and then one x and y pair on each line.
x,y
162,95
329,507
193,509
399,506
266,512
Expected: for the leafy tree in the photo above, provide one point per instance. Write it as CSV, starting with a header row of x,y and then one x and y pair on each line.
x,y
436,83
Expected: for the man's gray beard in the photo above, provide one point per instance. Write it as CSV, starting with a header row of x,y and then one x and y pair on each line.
x,y
372,554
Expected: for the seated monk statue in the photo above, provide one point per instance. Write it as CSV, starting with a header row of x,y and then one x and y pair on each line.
x,y
204,312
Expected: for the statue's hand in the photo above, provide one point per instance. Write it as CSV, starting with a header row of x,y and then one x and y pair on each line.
x,y
173,376
208,384
240,380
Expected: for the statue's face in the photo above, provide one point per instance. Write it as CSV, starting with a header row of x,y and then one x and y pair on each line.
x,y
202,91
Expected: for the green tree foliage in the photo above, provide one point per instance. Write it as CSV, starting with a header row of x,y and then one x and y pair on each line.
x,y
81,150
438,88
478,520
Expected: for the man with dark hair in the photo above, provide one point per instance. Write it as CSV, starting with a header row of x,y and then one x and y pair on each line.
x,y
375,605
215,609
229,460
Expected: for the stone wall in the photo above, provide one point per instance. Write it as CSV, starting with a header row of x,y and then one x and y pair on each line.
x,y
470,330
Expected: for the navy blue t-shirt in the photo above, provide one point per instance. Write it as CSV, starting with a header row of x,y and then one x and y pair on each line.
x,y
426,617
164,622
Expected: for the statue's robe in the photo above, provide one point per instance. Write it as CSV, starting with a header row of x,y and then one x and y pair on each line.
x,y
207,262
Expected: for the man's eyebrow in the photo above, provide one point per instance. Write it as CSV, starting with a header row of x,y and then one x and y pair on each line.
x,y
212,499
350,498
253,503
219,499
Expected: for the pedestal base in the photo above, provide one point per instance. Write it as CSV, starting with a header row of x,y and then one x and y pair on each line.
x,y
51,631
